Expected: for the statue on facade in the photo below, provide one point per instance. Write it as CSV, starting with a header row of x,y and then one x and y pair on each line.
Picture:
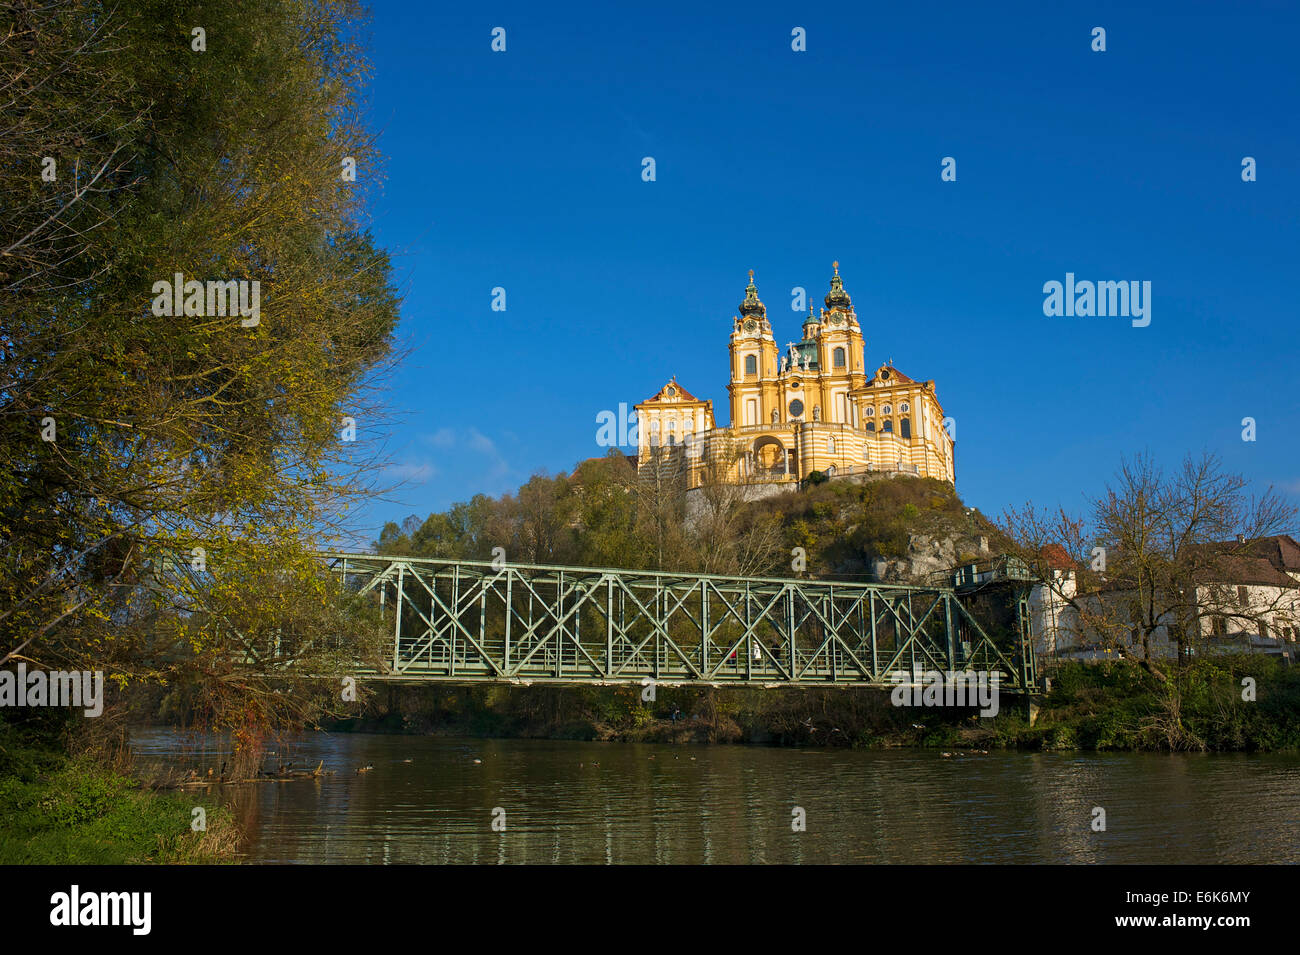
x,y
817,412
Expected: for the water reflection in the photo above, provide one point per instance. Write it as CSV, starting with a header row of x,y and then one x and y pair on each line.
x,y
570,802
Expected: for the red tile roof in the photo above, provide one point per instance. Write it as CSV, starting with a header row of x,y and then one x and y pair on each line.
x,y
896,377
681,392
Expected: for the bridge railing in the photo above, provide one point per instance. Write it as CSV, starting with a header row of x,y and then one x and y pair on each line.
x,y
469,621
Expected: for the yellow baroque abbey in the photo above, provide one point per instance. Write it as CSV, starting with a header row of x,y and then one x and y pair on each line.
x,y
809,407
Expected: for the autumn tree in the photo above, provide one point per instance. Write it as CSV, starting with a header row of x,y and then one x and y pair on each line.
x,y
145,143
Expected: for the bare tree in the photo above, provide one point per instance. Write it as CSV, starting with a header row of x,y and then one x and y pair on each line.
x,y
1160,554
732,537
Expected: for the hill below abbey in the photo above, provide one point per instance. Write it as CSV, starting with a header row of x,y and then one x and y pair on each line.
x,y
899,530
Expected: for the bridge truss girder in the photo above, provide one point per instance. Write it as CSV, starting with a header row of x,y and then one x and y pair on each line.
x,y
460,621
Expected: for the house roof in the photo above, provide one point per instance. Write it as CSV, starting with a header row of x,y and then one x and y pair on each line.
x,y
887,374
1235,569
1266,560
1228,563
1280,550
671,392
1057,558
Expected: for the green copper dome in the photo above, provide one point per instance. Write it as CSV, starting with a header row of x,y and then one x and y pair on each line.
x,y
837,297
751,306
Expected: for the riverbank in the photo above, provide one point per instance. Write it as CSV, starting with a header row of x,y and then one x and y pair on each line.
x,y
1098,707
64,810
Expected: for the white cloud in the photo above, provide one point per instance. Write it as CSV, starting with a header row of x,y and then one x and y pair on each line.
x,y
415,471
474,441
442,438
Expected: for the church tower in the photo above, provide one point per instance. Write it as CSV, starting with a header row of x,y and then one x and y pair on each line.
x,y
839,353
754,363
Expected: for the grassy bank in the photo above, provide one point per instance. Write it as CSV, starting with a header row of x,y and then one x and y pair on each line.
x,y
1090,707
58,809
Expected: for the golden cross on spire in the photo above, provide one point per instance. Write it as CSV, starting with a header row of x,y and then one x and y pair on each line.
x,y
751,276
836,267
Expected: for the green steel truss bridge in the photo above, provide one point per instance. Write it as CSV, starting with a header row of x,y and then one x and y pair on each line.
x,y
462,621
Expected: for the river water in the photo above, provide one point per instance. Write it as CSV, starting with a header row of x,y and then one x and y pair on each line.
x,y
436,800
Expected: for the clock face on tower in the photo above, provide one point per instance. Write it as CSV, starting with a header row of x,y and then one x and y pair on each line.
x,y
751,325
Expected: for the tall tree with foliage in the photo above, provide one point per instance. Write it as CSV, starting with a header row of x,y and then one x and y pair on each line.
x,y
157,472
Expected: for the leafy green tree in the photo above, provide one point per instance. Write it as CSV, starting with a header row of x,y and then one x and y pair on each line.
x,y
134,444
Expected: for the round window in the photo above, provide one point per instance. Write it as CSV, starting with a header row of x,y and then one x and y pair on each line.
x,y
796,408
870,411
886,410
903,408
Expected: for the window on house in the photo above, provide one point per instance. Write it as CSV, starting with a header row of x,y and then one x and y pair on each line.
x,y
1243,596
831,445
751,365
1219,626
905,427
888,426
871,426
837,358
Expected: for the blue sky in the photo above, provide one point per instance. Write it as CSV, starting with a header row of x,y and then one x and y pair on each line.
x,y
522,170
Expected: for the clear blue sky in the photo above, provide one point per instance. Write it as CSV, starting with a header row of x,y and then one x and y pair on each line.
x,y
523,170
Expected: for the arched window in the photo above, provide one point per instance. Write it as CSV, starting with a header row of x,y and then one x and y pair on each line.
x,y
903,408
871,426
888,426
869,411
751,365
831,445
838,358
905,427
886,410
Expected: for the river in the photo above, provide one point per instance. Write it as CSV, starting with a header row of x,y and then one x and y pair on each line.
x,y
436,800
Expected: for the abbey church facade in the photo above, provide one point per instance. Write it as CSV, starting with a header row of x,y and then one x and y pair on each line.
x,y
807,407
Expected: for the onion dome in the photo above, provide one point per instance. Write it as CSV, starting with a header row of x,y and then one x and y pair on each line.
x,y
837,297
751,307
